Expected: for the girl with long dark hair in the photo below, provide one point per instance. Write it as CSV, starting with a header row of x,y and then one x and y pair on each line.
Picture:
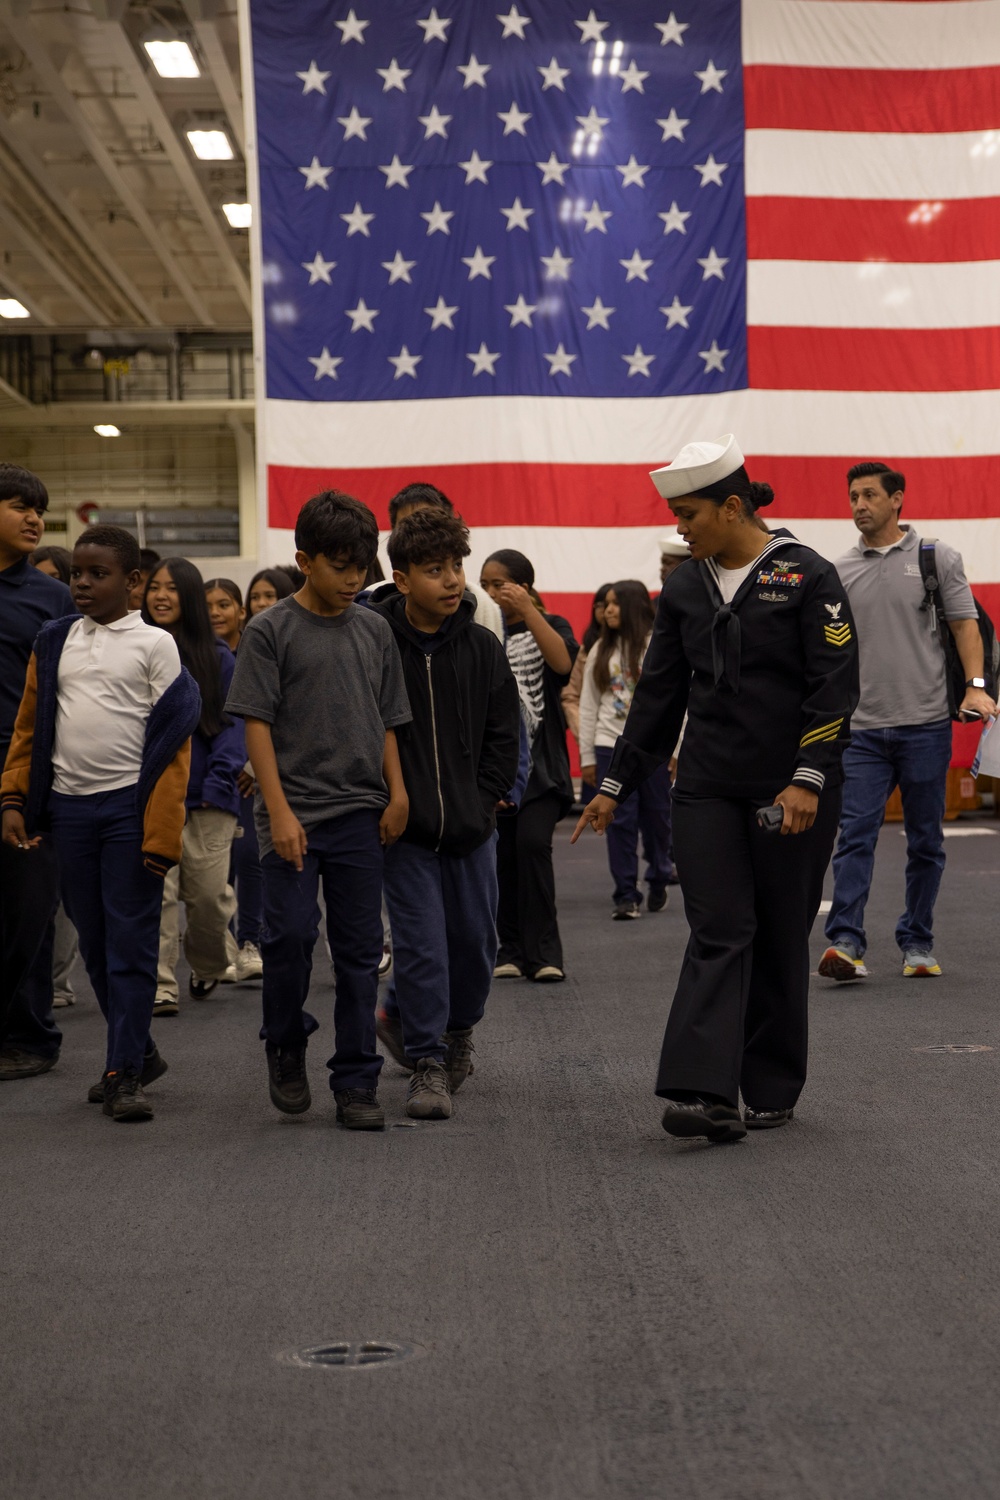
x,y
570,696
540,649
609,681
175,600
266,588
754,639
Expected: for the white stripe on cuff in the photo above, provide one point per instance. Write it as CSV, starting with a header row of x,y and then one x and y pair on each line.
x,y
611,788
815,780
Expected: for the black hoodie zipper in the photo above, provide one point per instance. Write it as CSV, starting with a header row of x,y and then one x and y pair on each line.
x,y
437,761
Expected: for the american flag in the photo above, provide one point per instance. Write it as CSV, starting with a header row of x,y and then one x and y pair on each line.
x,y
529,250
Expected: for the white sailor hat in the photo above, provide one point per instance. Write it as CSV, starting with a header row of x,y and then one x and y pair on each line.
x,y
698,465
673,545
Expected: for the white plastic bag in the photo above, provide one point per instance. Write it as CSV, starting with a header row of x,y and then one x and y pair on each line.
x,y
987,761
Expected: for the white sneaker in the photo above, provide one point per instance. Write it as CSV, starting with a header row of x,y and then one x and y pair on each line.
x,y
249,964
60,1001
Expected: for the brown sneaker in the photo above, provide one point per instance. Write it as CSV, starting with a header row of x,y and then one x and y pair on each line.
x,y
458,1062
17,1064
429,1097
389,1030
359,1109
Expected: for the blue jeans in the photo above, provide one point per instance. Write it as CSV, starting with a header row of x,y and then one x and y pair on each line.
x,y
246,877
915,758
114,903
646,811
443,914
346,855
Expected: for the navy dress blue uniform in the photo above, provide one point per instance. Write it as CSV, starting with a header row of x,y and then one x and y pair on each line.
x,y
29,881
769,682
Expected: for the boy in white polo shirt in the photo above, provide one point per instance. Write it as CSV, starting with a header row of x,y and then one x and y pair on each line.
x,y
100,755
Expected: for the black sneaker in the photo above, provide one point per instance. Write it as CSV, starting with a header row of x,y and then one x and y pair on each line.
x,y
17,1064
389,1030
626,911
200,989
289,1086
429,1096
154,1065
766,1119
359,1109
458,1057
123,1096
657,900
699,1116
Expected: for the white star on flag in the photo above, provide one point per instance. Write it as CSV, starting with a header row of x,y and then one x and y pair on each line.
x,y
325,364
398,268
636,267
434,123
357,221
632,173
473,72
354,124
441,315
556,265
395,77
711,170
712,266
438,218
483,361
405,362
712,79
513,119
676,314
552,76
396,174
513,23
315,175
594,218
714,358
434,28
520,311
479,264
632,78
671,30
592,123
560,362
638,362
597,314
675,218
475,168
517,215
362,316
313,81
319,269
352,30
553,170
591,31
673,126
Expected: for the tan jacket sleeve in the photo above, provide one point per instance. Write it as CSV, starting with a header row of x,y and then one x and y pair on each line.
x,y
17,767
571,694
163,823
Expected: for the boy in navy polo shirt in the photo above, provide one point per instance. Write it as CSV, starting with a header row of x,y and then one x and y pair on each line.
x,y
29,886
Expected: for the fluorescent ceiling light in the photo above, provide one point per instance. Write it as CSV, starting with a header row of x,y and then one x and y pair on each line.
x,y
173,59
105,429
239,215
210,145
11,308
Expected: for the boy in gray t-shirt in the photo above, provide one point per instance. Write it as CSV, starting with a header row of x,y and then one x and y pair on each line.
x,y
320,685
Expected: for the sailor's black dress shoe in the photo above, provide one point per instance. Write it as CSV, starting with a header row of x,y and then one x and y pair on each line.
x,y
766,1119
703,1117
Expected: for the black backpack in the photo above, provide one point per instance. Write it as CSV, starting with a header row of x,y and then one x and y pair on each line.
x,y
954,671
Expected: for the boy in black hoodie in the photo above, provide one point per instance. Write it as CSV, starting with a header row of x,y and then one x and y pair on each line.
x,y
459,759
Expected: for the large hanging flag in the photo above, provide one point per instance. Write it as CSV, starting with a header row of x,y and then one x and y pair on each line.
x,y
528,253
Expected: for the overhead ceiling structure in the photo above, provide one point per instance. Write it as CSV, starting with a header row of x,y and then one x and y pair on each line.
x,y
108,217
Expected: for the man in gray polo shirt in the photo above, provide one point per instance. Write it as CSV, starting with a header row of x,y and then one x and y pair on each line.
x,y
901,729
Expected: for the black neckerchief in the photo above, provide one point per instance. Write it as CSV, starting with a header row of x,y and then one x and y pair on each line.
x,y
727,638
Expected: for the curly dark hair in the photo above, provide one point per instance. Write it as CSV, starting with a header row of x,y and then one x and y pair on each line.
x,y
427,536
337,525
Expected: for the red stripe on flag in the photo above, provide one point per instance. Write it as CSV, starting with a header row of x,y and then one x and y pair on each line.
x,y
616,495
863,229
867,359
924,101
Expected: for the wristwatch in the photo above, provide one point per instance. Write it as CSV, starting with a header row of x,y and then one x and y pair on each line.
x,y
976,682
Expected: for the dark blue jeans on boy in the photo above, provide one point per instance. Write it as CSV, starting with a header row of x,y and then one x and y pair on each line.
x,y
345,856
915,758
443,913
645,812
29,896
114,903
